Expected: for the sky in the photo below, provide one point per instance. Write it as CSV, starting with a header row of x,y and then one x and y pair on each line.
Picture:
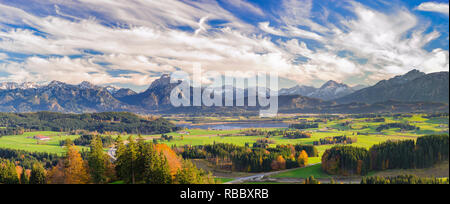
x,y
131,43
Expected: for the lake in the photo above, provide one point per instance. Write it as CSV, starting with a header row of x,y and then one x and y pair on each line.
x,y
234,126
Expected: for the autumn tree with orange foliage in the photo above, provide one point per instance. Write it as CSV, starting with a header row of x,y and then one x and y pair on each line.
x,y
302,159
71,170
173,160
279,163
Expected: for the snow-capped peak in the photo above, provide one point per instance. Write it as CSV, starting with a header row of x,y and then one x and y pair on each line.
x,y
14,85
112,89
87,85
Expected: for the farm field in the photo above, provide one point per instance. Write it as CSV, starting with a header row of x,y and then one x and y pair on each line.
x,y
314,170
362,128
27,143
367,137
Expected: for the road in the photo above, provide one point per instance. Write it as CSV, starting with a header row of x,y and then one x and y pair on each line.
x,y
259,177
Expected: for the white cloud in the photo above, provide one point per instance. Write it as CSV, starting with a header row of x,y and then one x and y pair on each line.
x,y
436,60
143,49
3,56
48,69
383,40
146,41
434,7
297,32
248,7
265,26
290,31
387,43
298,12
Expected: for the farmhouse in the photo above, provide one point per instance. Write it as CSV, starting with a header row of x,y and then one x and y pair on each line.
x,y
183,132
41,138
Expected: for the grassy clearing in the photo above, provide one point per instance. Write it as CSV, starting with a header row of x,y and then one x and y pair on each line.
x,y
315,170
203,137
27,143
223,180
118,182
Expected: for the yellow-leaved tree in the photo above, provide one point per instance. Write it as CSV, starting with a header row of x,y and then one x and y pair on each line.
x,y
279,163
71,170
302,159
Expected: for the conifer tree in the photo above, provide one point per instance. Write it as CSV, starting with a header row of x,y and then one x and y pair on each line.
x,y
126,161
159,171
24,177
142,149
37,175
98,161
8,174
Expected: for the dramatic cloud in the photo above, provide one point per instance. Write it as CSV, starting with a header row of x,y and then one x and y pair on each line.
x,y
381,39
383,44
434,7
132,42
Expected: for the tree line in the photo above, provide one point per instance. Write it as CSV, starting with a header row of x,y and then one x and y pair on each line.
x,y
137,162
255,159
11,131
403,179
302,126
336,140
86,140
402,126
292,134
425,152
27,159
122,122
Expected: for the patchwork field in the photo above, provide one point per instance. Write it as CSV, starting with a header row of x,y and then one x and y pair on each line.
x,y
362,128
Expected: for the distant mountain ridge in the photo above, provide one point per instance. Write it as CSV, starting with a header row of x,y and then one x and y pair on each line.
x,y
14,85
414,91
329,91
415,86
298,90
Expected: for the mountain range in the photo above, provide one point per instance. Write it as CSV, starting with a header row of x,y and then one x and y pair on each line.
x,y
415,86
414,91
14,85
329,91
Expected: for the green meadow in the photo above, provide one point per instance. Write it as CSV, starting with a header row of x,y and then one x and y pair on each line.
x,y
314,170
368,137
27,143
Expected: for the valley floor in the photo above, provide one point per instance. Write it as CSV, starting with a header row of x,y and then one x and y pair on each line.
x,y
232,128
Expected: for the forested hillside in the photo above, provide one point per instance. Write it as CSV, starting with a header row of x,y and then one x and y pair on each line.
x,y
17,123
